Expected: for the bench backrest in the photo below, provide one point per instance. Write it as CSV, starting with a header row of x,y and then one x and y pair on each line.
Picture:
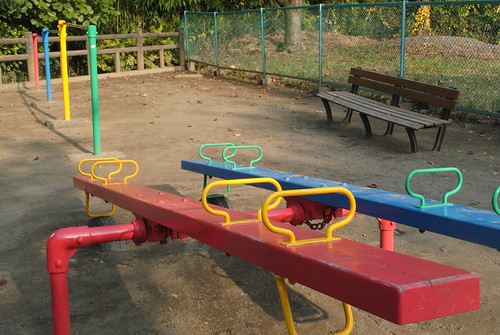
x,y
400,87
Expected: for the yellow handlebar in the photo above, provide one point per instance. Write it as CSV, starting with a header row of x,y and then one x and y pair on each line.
x,y
308,191
120,163
88,174
227,218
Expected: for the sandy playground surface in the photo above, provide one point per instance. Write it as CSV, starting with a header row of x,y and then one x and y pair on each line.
x,y
188,287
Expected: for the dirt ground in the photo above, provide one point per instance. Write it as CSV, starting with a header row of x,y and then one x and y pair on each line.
x,y
188,287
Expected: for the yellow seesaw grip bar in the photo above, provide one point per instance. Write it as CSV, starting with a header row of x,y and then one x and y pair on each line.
x,y
308,191
120,163
88,174
89,214
227,218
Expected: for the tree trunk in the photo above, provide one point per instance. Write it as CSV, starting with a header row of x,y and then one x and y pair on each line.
x,y
293,23
293,28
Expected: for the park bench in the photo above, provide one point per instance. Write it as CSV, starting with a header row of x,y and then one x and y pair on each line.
x,y
445,98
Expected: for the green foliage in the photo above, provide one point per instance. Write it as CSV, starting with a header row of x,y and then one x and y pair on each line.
x,y
481,22
33,15
11,71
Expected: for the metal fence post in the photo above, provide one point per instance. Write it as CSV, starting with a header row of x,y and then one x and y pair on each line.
x,y
140,50
181,45
263,42
403,40
216,41
320,45
186,35
29,51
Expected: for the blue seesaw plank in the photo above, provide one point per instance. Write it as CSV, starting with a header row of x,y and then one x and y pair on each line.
x,y
462,222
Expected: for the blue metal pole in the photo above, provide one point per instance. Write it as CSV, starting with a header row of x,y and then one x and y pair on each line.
x,y
45,39
403,40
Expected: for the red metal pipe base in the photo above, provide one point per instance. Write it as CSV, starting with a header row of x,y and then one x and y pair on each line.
x,y
387,229
61,246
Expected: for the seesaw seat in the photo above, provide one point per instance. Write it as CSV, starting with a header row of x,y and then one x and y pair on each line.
x,y
397,287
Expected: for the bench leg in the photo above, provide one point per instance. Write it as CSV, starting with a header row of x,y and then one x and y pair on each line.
x,y
439,138
328,110
366,123
329,115
348,115
390,128
413,139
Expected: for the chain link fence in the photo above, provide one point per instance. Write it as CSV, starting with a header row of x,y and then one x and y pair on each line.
x,y
446,43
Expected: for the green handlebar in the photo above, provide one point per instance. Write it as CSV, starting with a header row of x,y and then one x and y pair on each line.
x,y
494,200
445,196
200,150
235,148
225,158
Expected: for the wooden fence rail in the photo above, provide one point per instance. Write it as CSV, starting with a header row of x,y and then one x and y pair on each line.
x,y
139,48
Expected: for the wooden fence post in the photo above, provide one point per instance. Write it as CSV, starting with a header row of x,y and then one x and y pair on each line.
x,y
140,50
29,51
182,50
118,65
161,55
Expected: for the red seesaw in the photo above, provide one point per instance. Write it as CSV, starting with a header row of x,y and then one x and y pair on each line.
x,y
396,287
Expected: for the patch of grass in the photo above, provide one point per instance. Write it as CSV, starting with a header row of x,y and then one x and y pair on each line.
x,y
473,75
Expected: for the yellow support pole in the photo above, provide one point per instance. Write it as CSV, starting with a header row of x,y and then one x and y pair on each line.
x,y
61,26
287,311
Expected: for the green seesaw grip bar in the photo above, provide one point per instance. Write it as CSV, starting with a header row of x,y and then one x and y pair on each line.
x,y
494,200
200,150
235,148
445,196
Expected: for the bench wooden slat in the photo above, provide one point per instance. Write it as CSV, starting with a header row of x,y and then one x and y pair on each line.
x,y
450,93
382,111
371,110
426,120
402,92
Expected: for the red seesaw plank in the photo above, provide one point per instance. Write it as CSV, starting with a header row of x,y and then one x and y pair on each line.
x,y
397,287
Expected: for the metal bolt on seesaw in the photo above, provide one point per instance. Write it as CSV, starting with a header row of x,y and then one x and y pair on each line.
x,y
397,287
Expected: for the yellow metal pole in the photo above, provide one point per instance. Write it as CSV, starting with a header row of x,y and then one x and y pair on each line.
x,y
285,304
64,67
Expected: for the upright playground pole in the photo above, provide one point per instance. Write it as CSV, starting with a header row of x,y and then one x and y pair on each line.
x,y
92,38
61,26
35,58
45,39
94,90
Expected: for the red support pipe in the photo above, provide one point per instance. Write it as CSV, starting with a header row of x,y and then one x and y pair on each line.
x,y
387,229
35,58
288,214
60,303
63,244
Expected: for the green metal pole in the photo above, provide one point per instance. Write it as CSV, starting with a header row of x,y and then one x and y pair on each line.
x,y
216,32
94,88
320,56
186,35
263,43
403,40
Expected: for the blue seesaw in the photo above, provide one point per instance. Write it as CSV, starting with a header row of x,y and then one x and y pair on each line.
x,y
462,222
